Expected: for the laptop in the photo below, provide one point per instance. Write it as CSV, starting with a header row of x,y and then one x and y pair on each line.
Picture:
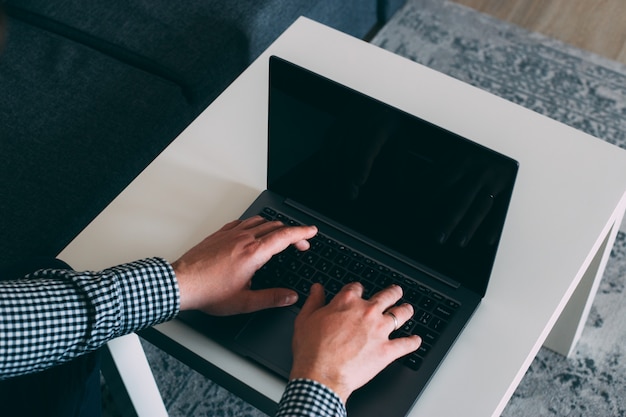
x,y
396,199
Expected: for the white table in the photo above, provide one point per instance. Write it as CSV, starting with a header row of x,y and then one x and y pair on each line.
x,y
565,213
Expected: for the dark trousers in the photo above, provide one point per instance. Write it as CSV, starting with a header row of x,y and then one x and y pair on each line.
x,y
68,390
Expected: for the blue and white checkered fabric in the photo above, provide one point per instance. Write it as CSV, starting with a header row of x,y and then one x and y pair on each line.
x,y
307,398
53,316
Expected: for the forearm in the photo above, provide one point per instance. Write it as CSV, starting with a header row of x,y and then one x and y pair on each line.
x,y
53,316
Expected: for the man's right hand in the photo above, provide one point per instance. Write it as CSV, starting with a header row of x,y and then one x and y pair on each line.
x,y
345,344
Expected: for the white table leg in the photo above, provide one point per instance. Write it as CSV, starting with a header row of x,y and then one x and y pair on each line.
x,y
135,375
569,327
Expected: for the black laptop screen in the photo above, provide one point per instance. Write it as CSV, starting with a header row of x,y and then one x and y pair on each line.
x,y
423,192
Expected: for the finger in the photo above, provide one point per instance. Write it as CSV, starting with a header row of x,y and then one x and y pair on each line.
x,y
353,289
271,228
314,302
280,238
252,222
402,346
261,227
269,298
302,245
387,297
231,225
402,314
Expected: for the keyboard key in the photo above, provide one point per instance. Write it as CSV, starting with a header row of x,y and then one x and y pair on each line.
x,y
384,281
290,281
309,258
323,265
413,361
348,278
423,289
437,324
321,278
406,283
337,272
426,303
423,317
329,253
268,213
423,350
412,296
342,260
443,312
437,296
307,271
369,274
316,245
427,335
356,267
303,287
334,286
293,265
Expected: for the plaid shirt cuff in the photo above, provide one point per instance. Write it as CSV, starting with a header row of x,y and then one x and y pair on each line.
x,y
53,316
308,398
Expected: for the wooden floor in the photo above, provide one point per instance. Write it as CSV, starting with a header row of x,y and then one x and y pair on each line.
x,y
598,26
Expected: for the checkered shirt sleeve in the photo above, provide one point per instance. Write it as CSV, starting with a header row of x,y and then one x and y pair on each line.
x,y
52,316
308,398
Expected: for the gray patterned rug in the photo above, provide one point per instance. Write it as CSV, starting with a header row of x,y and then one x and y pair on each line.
x,y
572,86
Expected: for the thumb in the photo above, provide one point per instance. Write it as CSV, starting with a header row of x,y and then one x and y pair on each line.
x,y
270,298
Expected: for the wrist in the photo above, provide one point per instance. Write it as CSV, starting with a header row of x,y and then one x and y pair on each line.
x,y
332,382
185,286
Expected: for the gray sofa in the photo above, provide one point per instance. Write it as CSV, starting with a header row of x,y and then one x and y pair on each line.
x,y
91,92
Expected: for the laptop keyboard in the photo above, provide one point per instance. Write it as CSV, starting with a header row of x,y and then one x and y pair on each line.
x,y
334,265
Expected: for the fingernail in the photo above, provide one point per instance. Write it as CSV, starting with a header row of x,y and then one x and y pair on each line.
x,y
291,299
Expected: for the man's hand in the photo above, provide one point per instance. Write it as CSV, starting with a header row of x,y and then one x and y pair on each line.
x,y
214,276
346,343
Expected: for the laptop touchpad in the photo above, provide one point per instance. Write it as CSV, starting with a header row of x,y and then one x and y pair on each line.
x,y
266,338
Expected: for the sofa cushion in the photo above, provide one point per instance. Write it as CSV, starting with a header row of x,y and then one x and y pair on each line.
x,y
202,44
188,45
75,126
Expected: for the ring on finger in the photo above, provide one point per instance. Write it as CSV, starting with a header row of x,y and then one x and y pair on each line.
x,y
395,320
